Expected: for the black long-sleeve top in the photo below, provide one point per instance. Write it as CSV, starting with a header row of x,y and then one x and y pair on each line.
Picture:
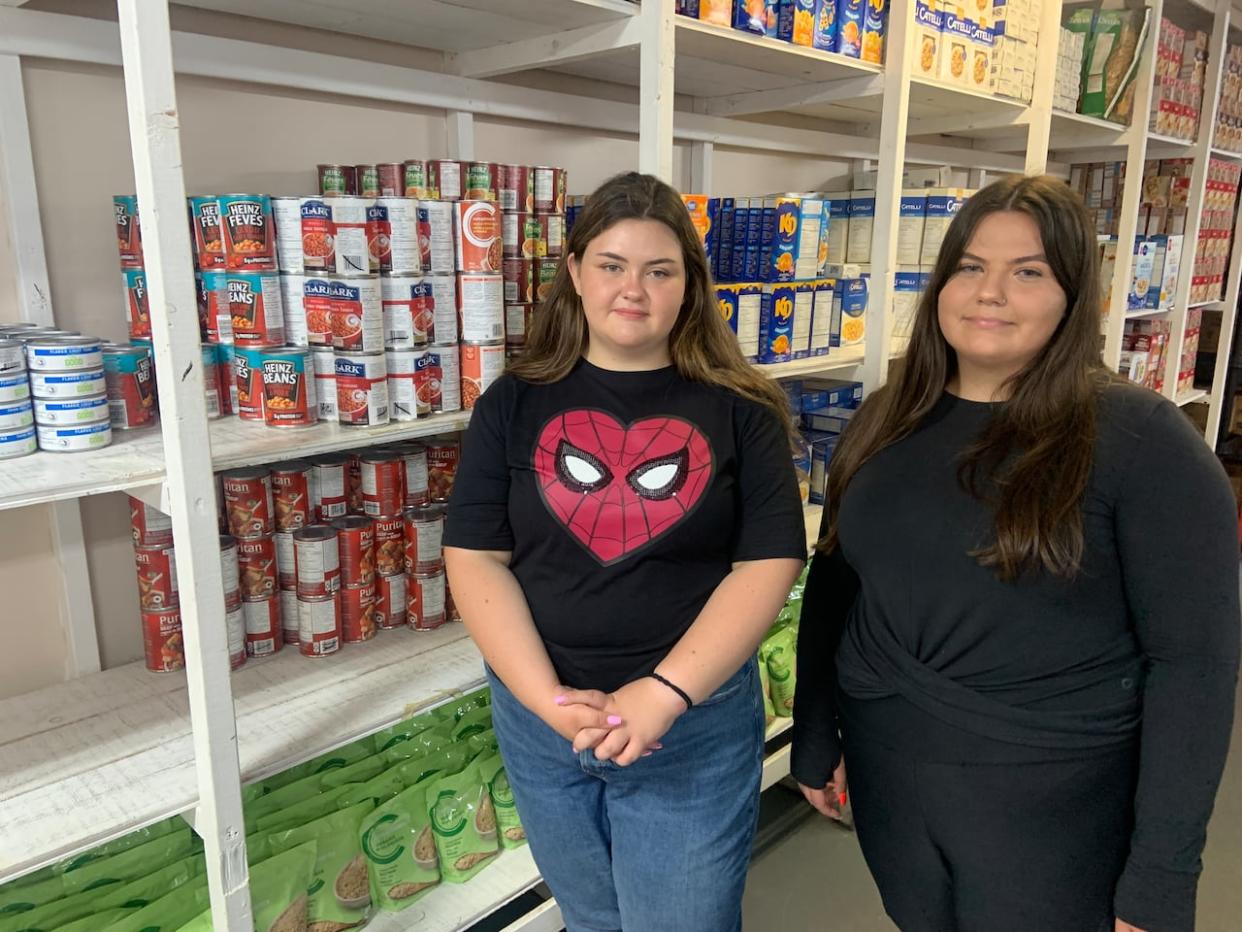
x,y
943,660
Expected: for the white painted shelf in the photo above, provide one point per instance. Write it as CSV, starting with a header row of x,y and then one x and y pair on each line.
x,y
1190,397
94,758
846,357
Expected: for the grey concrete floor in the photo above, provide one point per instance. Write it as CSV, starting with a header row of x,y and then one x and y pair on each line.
x,y
815,880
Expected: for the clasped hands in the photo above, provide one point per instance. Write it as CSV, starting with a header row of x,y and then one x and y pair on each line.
x,y
620,726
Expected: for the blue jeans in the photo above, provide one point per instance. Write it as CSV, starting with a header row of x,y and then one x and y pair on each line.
x,y
660,846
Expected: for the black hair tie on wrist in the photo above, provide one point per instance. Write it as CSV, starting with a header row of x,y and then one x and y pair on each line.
x,y
675,688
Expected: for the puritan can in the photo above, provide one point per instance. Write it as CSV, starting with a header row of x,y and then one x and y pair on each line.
x,y
287,214
14,387
349,226
256,565
149,526
337,179
262,620
435,237
391,177
74,439
356,544
517,188
128,230
415,179
403,402
477,236
289,388
161,641
367,180
137,304
517,323
319,626
219,322
235,633
291,495
480,307
408,308
61,385
208,237
90,410
230,570
444,326
63,354
481,365
444,176
286,560
12,357
357,314
482,182
317,306
18,442
248,502
389,545
289,615
545,278
361,388
390,609
425,601
129,374
329,490
317,561
424,538
256,310
519,281
226,371
249,237
549,189
323,358
157,578
443,366
443,455
292,295
248,372
383,483
358,614
212,396
353,483
392,235
416,490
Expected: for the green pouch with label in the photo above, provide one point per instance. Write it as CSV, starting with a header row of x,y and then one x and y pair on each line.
x,y
473,723
449,760
400,849
340,892
484,743
420,745
765,681
463,820
169,913
278,897
97,921
281,799
379,789
404,730
332,760
782,672
308,810
360,772
132,864
509,823
30,896
458,709
141,836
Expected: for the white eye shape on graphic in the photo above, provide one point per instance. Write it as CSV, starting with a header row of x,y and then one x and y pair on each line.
x,y
660,478
581,470
656,478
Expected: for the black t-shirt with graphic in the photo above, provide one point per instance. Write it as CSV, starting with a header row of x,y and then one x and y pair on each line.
x,y
625,498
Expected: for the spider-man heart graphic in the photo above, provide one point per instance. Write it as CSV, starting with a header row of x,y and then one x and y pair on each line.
x,y
616,487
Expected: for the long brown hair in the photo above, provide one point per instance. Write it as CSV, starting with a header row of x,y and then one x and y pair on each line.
x,y
701,345
1035,456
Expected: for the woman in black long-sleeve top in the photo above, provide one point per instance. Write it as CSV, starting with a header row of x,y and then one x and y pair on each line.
x,y
1021,630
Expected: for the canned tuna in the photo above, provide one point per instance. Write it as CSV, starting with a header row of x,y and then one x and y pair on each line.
x,y
444,177
219,323
425,601
292,294
319,626
157,578
137,305
208,237
149,526
390,609
289,388
389,545
323,359
249,237
481,365
248,370
356,543
317,561
358,614
361,388
63,354
17,442
477,236
383,483
408,311
287,215
12,357
128,230
392,235
442,458
416,490
161,641
415,179
337,179
424,537
256,311
391,177
435,237
357,315
256,564
19,414
90,410
328,486
291,495
262,620
75,439
289,615
481,307
248,502
129,374
61,385
14,387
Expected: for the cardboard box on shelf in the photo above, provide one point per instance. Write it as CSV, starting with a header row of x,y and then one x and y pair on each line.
x,y
912,213
928,26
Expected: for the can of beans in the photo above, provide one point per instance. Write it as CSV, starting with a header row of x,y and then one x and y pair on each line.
x,y
481,307
392,235
230,573
226,371
477,236
424,538
291,495
289,615
549,189
128,230
289,388
517,323
403,400
256,564
317,305
390,601
443,365
337,179
318,235
14,387
219,323
323,358
368,180
319,626
248,501
287,215
435,237
444,325
408,310
137,305
481,365
208,237
149,526
161,641
383,483
248,372
356,543
415,457
75,439
545,278
20,441
292,296
328,486
212,398
391,179
54,413
357,314
415,179
12,357
442,458
286,560
517,188
130,378
444,177
157,578
425,601
64,385
482,182
317,560
256,311
205,307
262,625
249,237
235,632
353,483
361,388
390,545
349,224
358,614
63,354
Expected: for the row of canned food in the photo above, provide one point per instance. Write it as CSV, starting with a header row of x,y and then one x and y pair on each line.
x,y
516,187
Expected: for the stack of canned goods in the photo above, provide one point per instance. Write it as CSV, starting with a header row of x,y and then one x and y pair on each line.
x,y
70,391
250,519
17,431
533,201
158,601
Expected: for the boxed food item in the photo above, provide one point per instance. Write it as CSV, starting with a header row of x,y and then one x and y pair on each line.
x,y
1140,282
852,295
823,445
740,306
804,313
821,317
909,282
911,215
750,16
942,206
776,323
810,236
862,224
719,12
1172,268
838,224
825,34
803,23
875,24
979,75
849,27
956,45
779,237
840,393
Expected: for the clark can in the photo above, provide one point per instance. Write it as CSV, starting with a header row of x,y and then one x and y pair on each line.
x,y
477,236
444,325
481,307
317,306
425,601
287,214
262,624
408,307
137,304
208,237
349,225
358,614
392,235
481,365
248,371
249,231
357,314
289,388
361,388
323,359
317,561
356,543
129,374
291,495
256,311
162,642
319,626
390,599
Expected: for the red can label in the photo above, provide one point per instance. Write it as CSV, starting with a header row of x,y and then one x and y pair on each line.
x,y
226,375
150,526
416,489
550,190
129,374
289,389
208,237
291,494
476,231
481,365
248,503
358,614
519,281
161,640
390,545
383,485
286,560
409,310
264,635
128,230
424,539
353,479
289,615
442,459
362,389
137,305
357,315
517,323
256,563
317,304
329,490
390,609
391,177
317,560
235,629
551,235
216,298
367,180
356,543
256,309
319,626
157,578
229,572
248,372
444,178
249,233
517,188
425,602
482,181
392,235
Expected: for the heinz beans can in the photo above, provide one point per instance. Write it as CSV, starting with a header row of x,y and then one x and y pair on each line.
x,y
129,374
137,304
128,230
289,388
256,310
208,237
248,372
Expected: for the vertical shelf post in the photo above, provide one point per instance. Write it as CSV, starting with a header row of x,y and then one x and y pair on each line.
x,y
1039,129
656,88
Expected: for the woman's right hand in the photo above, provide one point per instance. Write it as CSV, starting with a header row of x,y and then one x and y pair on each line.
x,y
569,712
833,798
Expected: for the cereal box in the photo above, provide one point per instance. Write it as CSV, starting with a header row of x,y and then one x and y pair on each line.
x,y
825,221
957,44
911,213
750,16
1159,246
719,12
810,237
825,34
821,318
838,225
928,25
1144,257
780,238
853,299
849,27
862,223
776,323
875,23
1172,266
804,311
803,23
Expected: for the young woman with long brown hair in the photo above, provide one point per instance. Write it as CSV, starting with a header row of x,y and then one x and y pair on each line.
x,y
624,526
1020,631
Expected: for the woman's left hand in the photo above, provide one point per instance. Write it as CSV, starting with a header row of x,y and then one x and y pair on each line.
x,y
1122,926
648,709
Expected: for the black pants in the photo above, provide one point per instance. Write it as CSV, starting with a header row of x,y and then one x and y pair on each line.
x,y
1033,847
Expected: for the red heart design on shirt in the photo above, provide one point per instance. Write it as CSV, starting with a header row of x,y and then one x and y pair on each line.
x,y
617,488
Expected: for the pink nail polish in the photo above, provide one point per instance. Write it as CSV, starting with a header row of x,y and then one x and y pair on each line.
x,y
615,720
561,700
657,747
646,753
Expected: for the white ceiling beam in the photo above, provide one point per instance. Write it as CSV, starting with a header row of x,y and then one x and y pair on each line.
x,y
787,98
560,48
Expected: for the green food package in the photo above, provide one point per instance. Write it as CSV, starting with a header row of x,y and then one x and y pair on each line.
x,y
492,772
134,863
456,711
449,760
420,745
30,896
765,680
332,760
278,897
141,836
400,849
359,772
379,790
484,743
96,921
404,730
340,893
258,847
782,666
473,723
463,820
168,913
308,810
279,800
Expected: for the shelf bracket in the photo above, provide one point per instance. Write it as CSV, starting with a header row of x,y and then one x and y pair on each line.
x,y
561,48
788,98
